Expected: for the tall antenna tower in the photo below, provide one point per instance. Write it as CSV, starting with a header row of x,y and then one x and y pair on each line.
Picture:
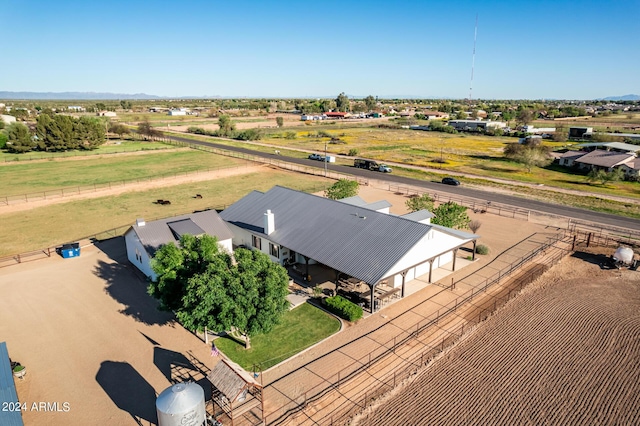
x,y
473,58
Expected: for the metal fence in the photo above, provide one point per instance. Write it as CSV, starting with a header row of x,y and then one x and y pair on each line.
x,y
339,397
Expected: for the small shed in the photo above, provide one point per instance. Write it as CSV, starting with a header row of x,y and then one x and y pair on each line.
x,y
236,391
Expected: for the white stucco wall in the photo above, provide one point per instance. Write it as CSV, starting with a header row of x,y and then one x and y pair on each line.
x,y
243,237
432,244
134,246
139,258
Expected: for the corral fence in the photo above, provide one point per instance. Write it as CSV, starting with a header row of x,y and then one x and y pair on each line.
x,y
544,256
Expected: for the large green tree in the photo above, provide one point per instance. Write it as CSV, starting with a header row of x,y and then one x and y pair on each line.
x,y
343,188
207,287
227,127
342,102
451,215
19,138
422,202
604,177
529,154
370,102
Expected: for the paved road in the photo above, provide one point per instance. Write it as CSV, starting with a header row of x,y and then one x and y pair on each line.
x,y
461,191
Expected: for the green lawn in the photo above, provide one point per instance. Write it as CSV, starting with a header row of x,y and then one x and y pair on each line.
x,y
299,329
55,224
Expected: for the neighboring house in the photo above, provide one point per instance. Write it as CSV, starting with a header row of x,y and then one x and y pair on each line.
x,y
106,114
180,111
600,159
632,169
8,119
610,146
568,158
435,115
470,125
538,130
76,108
144,239
358,242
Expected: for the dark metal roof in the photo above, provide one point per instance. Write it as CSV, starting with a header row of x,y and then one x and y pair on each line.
x,y
154,234
357,201
7,390
185,226
354,240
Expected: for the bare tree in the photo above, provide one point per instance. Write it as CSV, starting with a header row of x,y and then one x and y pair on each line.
x,y
474,225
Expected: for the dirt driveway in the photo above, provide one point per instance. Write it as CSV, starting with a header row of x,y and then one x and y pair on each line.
x,y
90,336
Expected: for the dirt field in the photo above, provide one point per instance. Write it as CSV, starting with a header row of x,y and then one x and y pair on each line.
x,y
564,352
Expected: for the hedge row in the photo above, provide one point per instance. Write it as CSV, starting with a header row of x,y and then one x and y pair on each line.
x,y
343,308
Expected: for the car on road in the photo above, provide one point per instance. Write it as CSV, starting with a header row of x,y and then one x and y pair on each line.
x,y
317,157
384,168
450,181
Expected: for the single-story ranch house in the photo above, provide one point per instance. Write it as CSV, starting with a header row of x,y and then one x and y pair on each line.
x,y
348,237
144,239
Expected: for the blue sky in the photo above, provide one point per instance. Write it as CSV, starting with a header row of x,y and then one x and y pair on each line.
x,y
525,50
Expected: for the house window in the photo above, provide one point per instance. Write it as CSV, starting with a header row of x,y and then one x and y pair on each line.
x,y
256,242
274,250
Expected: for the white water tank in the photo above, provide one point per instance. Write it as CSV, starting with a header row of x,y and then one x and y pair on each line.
x,y
181,405
624,255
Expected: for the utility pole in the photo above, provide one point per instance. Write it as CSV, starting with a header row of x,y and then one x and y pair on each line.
x,y
325,158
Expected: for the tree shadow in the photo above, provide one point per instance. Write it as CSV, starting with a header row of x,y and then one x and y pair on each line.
x,y
128,390
124,286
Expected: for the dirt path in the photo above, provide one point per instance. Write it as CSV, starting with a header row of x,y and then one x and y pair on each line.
x,y
120,188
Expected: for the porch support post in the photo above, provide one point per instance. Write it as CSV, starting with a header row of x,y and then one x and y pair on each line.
x,y
404,274
306,271
372,294
455,253
430,269
473,256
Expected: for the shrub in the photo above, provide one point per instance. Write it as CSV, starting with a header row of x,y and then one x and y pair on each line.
x,y
343,308
353,152
290,135
324,134
249,135
482,249
196,130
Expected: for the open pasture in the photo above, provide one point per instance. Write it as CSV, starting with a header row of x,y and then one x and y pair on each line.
x,y
564,352
30,177
58,223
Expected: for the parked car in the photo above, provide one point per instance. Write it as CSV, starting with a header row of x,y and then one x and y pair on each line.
x,y
316,157
450,181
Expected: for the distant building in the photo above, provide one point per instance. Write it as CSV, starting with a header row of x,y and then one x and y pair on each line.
x,y
180,111
611,146
8,119
600,159
472,125
76,108
580,132
336,114
435,115
106,114
312,117
539,130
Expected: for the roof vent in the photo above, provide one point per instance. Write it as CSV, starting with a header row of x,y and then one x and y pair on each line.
x,y
140,222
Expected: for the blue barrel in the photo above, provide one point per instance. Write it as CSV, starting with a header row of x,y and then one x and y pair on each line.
x,y
70,250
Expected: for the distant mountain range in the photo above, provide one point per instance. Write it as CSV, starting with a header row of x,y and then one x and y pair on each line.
x,y
622,98
81,96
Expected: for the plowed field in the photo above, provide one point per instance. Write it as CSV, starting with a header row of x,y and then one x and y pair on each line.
x,y
565,352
